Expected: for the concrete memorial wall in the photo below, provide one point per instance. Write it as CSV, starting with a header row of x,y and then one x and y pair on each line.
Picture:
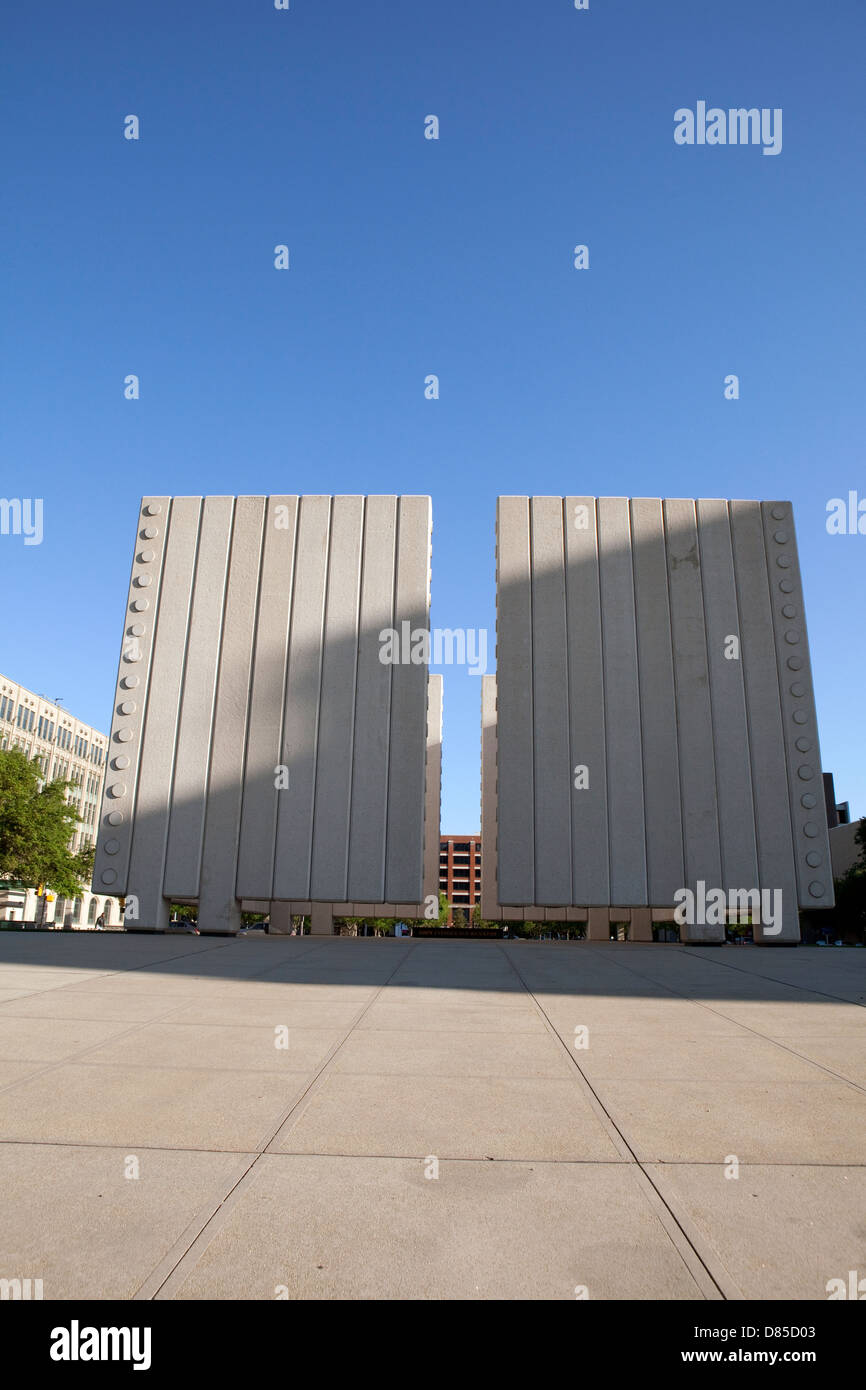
x,y
260,747
650,737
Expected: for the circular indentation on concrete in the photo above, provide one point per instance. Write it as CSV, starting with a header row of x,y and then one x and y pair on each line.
x,y
803,745
111,846
117,789
805,772
144,581
800,716
140,605
787,586
798,689
124,736
149,533
783,561
128,707
808,800
795,663
121,762
788,610
811,829
115,818
145,556
129,682
108,876
781,537
792,636
153,509
137,630
816,889
813,859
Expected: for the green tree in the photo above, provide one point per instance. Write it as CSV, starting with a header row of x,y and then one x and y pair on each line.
x,y
36,826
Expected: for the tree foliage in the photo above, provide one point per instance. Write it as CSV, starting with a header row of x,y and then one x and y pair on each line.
x,y
36,826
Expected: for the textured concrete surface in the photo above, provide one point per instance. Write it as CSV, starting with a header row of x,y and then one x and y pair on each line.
x,y
252,642
701,764
435,1126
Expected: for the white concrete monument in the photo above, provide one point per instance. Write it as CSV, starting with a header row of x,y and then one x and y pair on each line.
x,y
260,749
649,740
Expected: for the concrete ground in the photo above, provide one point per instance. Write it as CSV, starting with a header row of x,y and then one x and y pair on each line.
x,y
435,1127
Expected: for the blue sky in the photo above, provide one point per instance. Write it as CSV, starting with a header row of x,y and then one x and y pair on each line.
x,y
409,257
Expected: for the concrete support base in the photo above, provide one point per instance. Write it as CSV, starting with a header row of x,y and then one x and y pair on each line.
x,y
223,919
322,920
641,928
598,924
280,923
146,914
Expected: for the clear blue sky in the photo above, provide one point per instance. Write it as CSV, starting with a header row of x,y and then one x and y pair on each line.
x,y
411,257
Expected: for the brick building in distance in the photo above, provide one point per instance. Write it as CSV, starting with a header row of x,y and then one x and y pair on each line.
x,y
460,873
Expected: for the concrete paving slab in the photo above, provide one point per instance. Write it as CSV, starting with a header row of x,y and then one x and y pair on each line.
x,y
775,1020
39,981
667,1057
51,1040
344,1228
265,993
843,1053
443,1053
225,1046
10,1072
452,1117
760,1122
638,1018
160,1107
385,1015
89,1004
267,1013
418,996
779,1232
145,982
72,1217
692,1058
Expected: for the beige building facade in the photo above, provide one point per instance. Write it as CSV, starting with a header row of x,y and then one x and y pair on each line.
x,y
66,750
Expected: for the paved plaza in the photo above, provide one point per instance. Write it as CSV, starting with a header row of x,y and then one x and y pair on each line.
x,y
261,1117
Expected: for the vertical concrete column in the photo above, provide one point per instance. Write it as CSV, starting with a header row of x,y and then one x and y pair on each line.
x,y
263,752
322,919
111,867
661,773
294,842
433,787
336,726
590,845
280,923
158,737
219,905
736,808
514,764
369,814
809,830
490,909
694,711
407,756
774,836
598,924
626,812
641,925
550,703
